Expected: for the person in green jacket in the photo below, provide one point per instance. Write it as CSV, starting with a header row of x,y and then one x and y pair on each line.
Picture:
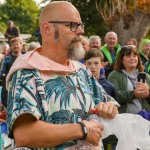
x,y
144,51
110,51
133,96
147,65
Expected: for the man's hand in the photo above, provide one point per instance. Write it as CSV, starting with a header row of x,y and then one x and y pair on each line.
x,y
94,130
107,110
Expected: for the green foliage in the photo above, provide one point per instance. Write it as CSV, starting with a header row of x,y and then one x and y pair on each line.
x,y
24,13
148,35
90,16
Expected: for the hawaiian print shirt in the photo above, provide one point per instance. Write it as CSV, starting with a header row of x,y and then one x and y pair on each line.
x,y
60,99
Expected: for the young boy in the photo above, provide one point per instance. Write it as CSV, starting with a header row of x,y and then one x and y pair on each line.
x,y
94,62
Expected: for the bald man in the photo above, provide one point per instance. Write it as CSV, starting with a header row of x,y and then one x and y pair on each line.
x,y
110,51
50,95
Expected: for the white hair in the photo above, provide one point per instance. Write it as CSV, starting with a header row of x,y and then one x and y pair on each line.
x,y
93,37
33,45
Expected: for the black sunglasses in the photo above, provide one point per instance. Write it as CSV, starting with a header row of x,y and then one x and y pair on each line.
x,y
128,46
73,25
128,49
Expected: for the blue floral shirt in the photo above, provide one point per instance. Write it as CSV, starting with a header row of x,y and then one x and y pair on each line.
x,y
61,99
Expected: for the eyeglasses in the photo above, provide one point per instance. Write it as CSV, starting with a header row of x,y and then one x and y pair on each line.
x,y
128,49
73,25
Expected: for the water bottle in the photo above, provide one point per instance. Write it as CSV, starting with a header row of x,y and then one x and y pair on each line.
x,y
83,145
94,117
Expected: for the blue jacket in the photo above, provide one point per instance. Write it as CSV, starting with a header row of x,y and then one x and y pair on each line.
x,y
108,87
6,65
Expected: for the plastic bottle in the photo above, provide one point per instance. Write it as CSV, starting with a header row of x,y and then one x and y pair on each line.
x,y
96,118
83,145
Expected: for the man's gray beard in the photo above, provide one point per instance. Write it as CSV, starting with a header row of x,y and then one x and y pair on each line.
x,y
75,49
76,53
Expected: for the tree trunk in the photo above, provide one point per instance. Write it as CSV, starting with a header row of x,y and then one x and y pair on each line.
x,y
136,28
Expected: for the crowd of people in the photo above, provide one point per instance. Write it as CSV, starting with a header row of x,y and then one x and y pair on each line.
x,y
11,49
116,67
50,90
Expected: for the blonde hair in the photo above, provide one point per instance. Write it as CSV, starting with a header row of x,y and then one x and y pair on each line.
x,y
15,39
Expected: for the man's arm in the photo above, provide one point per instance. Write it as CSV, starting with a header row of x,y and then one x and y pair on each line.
x,y
16,32
6,34
35,133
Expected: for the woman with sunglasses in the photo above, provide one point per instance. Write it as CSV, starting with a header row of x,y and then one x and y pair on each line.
x,y
132,94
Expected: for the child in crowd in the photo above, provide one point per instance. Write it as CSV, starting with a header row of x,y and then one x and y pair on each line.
x,y
94,62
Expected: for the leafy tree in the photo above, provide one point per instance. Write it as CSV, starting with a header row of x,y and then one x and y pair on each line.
x,y
90,15
24,13
128,18
148,35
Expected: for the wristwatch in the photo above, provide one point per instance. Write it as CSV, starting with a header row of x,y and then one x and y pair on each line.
x,y
84,130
